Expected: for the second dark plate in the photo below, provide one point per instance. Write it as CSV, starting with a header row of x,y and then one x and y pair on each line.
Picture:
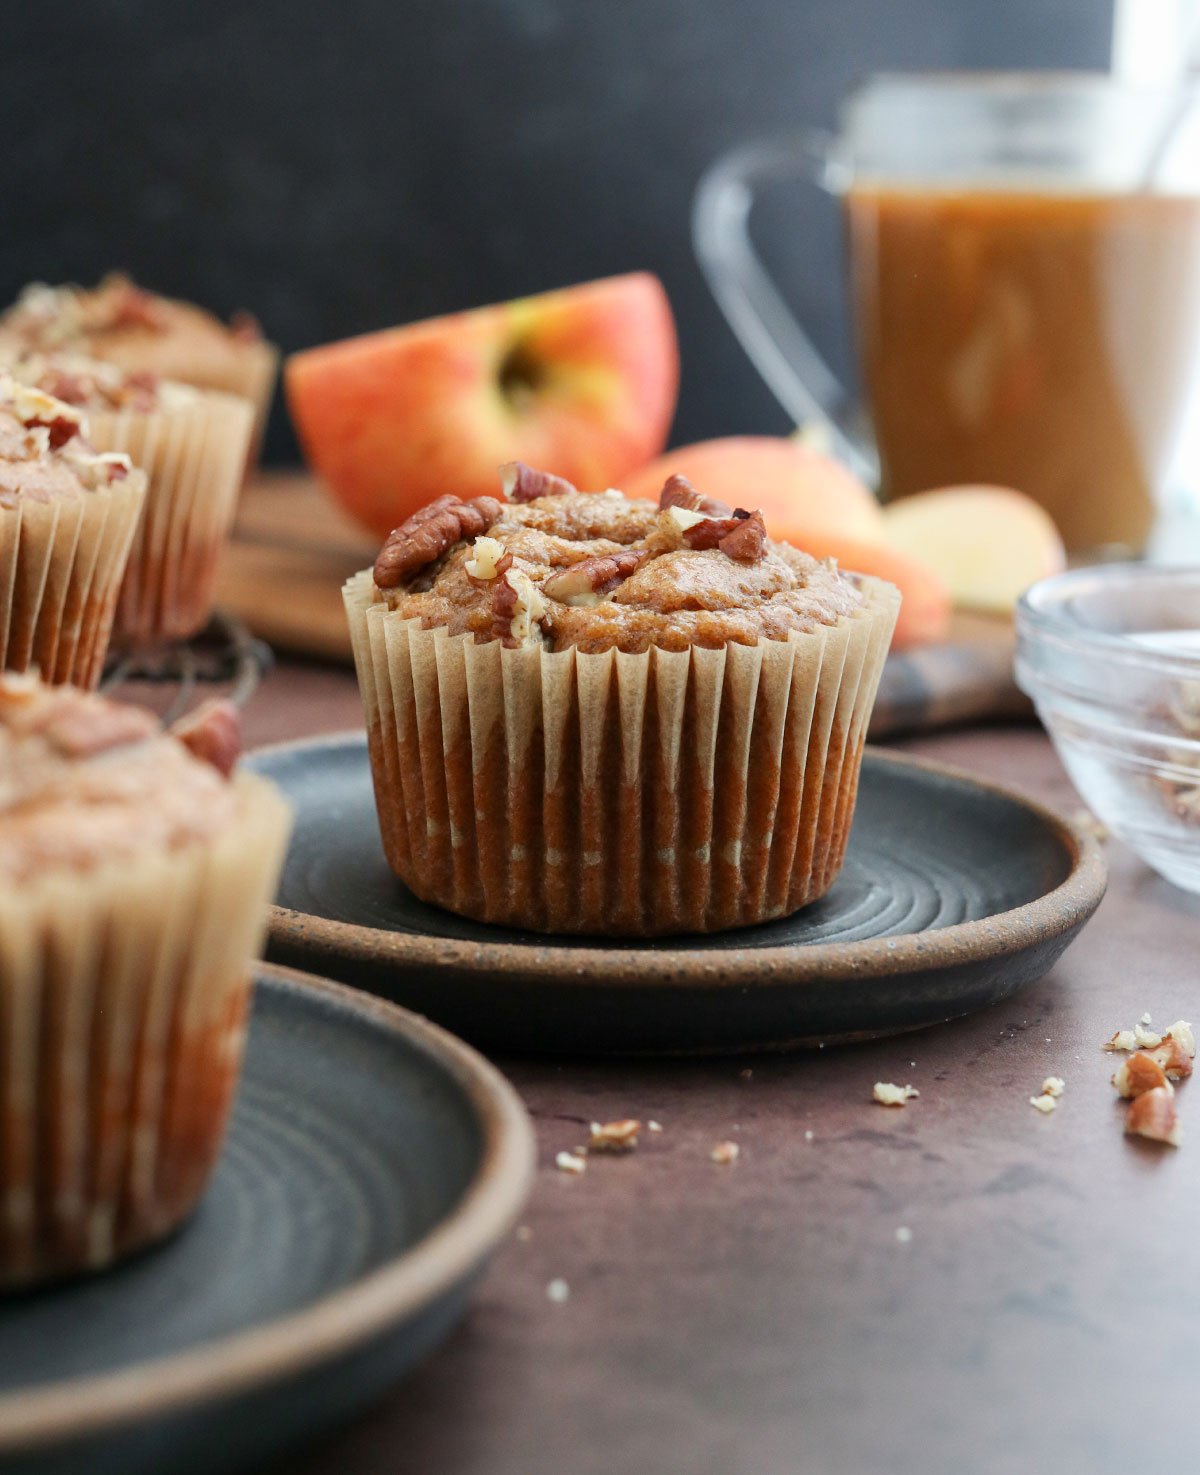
x,y
954,895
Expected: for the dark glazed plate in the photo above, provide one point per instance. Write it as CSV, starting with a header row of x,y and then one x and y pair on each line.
x,y
373,1163
954,895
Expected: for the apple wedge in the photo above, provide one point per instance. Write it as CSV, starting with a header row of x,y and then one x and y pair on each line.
x,y
799,489
580,382
988,544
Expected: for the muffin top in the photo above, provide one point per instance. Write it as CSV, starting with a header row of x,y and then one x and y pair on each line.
x,y
124,324
85,781
551,567
44,450
98,387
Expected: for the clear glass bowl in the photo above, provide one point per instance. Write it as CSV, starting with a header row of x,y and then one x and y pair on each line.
x,y
1110,656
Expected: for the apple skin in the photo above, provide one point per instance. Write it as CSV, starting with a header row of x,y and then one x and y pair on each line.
x,y
798,489
987,544
580,382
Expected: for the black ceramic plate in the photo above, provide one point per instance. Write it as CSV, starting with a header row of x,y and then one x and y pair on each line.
x,y
954,894
372,1164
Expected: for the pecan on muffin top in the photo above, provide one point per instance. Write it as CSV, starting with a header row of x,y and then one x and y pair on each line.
x,y
84,780
44,450
554,568
124,324
94,386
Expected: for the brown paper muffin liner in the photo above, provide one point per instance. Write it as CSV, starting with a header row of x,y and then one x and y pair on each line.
x,y
193,456
617,794
123,995
250,372
61,566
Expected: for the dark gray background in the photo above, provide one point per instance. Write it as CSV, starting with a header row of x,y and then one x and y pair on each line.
x,y
338,167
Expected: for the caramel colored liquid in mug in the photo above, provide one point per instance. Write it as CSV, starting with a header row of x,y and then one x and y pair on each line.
x,y
1035,340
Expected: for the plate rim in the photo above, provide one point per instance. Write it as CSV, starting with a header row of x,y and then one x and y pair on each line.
x,y
65,1410
1058,911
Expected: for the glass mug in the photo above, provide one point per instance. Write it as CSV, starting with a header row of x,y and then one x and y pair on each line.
x,y
1024,263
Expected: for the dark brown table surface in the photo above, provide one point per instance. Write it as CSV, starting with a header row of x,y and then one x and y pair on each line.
x,y
1043,1317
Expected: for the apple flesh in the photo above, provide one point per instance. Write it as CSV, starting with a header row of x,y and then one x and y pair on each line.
x,y
925,607
798,489
580,382
988,544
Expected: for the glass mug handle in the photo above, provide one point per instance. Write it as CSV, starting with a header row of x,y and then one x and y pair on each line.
x,y
765,326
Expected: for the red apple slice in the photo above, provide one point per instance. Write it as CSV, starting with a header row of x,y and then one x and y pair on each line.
x,y
988,544
580,382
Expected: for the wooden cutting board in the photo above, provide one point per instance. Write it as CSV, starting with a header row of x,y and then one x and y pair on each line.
x,y
292,550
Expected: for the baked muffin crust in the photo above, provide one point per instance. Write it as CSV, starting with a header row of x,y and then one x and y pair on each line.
x,y
85,781
44,451
598,572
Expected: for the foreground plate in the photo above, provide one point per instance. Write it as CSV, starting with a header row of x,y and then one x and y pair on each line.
x,y
954,895
372,1165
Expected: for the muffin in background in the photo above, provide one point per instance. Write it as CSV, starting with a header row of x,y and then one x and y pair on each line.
x,y
143,333
134,881
588,714
68,514
192,445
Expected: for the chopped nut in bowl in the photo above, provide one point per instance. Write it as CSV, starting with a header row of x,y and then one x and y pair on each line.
x,y
1111,658
592,714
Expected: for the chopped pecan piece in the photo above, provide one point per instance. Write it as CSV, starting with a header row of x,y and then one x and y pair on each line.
x,y
504,606
133,306
426,535
1174,1059
742,536
489,560
679,492
619,1136
522,483
748,541
592,578
213,733
1153,1115
1139,1074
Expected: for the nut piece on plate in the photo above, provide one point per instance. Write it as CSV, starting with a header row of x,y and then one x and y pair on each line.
x,y
889,1095
619,1136
1053,1086
570,1162
1123,1039
1045,1103
1139,1074
1174,1059
1153,1116
1181,1033
725,1153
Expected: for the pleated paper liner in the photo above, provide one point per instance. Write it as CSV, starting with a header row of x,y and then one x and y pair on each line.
x,y
193,454
61,566
123,995
617,794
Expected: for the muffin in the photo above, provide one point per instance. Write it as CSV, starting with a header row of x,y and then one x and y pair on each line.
x,y
67,518
588,714
134,880
142,333
192,445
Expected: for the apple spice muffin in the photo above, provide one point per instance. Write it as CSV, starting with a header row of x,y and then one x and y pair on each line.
x,y
589,714
192,445
135,871
68,514
141,332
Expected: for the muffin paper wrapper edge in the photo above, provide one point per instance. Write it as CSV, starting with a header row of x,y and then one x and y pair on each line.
x,y
193,456
645,794
123,1001
61,566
